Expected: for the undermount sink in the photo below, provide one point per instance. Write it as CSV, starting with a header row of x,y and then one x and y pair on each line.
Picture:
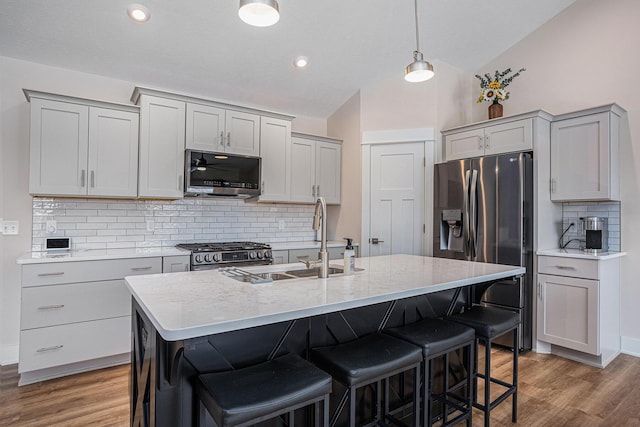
x,y
309,272
266,277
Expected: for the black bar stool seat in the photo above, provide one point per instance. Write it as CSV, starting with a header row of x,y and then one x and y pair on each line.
x,y
365,361
249,395
490,323
438,338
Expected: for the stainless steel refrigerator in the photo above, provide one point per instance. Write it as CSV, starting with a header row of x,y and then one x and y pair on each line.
x,y
484,212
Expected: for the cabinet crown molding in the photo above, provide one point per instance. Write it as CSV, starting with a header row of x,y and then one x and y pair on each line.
x,y
316,137
613,108
532,114
138,91
29,93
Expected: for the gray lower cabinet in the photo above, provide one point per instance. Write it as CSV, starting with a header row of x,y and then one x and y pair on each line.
x,y
76,315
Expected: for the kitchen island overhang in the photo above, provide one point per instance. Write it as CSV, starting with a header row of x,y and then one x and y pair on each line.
x,y
185,324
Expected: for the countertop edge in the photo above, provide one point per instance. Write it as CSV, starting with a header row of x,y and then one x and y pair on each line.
x,y
98,255
203,330
576,253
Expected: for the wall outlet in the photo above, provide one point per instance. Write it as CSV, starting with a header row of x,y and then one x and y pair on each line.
x,y
10,228
281,224
150,225
52,226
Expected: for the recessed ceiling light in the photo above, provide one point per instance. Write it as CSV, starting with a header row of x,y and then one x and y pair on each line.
x,y
301,62
138,13
259,13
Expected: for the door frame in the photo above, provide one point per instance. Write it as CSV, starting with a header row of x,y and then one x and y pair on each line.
x,y
397,136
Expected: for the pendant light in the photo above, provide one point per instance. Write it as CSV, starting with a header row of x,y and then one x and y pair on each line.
x,y
259,13
419,70
201,163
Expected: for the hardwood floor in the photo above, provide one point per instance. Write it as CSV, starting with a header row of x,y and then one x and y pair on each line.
x,y
553,392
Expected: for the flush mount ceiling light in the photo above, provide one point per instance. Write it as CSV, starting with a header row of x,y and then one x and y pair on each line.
x,y
259,13
138,13
301,62
419,70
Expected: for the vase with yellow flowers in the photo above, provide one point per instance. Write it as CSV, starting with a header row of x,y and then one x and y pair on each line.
x,y
492,89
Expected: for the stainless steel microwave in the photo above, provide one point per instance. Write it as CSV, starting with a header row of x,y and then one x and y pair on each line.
x,y
221,174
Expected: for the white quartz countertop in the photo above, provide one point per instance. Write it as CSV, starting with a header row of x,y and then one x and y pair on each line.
x,y
285,246
192,304
97,254
577,253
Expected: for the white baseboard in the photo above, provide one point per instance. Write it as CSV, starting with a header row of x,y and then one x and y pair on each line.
x,y
9,355
630,346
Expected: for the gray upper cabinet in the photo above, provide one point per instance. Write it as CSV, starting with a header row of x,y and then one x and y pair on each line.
x,y
315,168
210,128
275,150
584,155
488,139
82,147
162,124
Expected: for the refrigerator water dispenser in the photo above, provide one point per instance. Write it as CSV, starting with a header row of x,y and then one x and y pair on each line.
x,y
451,230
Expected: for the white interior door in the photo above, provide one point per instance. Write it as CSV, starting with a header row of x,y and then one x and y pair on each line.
x,y
397,199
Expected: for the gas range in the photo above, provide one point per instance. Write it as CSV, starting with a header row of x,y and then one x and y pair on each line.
x,y
208,256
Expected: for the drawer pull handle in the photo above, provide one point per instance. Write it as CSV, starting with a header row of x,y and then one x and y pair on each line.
x,y
565,267
56,273
50,307
53,347
148,267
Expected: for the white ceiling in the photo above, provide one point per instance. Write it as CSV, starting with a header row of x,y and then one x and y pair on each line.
x,y
202,47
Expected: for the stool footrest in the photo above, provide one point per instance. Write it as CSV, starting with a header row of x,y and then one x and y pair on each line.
x,y
498,400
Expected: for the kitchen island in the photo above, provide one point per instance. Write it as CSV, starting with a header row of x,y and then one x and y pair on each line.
x,y
185,324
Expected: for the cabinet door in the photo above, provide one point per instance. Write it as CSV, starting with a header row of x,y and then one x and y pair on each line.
x,y
328,158
243,133
303,170
58,148
275,150
580,161
174,264
280,257
113,153
464,144
205,128
162,130
508,137
568,312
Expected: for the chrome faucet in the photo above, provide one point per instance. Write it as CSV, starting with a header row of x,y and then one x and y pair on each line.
x,y
323,256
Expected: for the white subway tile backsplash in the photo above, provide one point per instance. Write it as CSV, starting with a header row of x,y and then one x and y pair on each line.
x,y
102,224
573,211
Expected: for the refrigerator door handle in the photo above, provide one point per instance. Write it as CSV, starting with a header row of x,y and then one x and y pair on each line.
x,y
466,216
473,236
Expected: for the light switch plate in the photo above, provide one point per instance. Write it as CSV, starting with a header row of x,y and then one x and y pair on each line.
x,y
10,228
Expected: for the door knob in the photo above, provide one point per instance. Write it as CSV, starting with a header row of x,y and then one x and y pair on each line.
x,y
375,241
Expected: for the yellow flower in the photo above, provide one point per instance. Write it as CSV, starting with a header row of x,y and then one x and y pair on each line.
x,y
494,85
480,98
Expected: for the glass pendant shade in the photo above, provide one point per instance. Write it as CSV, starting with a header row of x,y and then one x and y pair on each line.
x,y
419,70
259,13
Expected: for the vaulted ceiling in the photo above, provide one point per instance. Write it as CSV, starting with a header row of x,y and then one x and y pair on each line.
x,y
202,47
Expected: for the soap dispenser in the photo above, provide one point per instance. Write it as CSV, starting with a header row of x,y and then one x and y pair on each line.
x,y
349,257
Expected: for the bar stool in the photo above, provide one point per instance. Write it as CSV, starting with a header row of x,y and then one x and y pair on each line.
x,y
438,338
371,359
490,323
249,395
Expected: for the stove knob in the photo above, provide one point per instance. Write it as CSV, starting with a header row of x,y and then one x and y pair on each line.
x,y
267,254
252,255
207,257
216,257
259,254
198,258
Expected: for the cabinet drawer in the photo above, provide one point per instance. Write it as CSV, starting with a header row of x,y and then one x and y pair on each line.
x,y
77,302
571,267
87,271
58,345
